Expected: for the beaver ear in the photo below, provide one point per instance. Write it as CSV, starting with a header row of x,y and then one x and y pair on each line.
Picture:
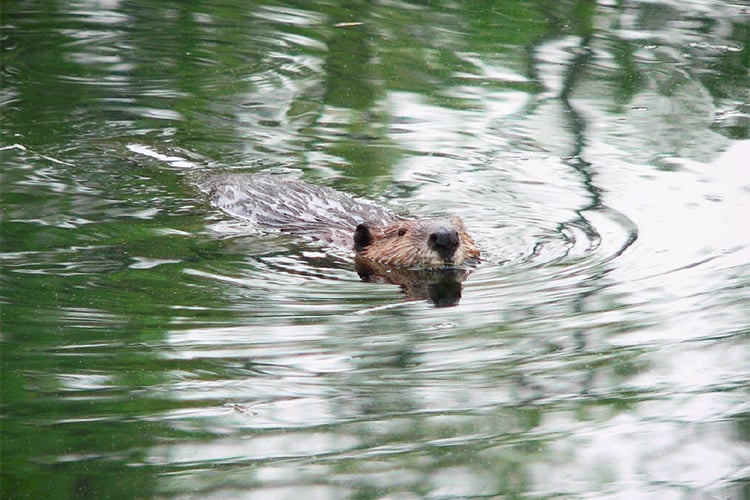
x,y
362,237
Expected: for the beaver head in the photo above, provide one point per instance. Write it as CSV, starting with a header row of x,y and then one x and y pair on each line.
x,y
419,243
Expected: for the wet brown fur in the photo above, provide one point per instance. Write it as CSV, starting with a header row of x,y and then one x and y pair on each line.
x,y
411,243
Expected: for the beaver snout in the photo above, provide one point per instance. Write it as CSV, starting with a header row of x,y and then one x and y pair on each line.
x,y
444,241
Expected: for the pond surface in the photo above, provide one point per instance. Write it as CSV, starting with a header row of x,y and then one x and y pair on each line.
x,y
153,346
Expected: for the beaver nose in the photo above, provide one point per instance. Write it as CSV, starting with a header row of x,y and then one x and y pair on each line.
x,y
444,241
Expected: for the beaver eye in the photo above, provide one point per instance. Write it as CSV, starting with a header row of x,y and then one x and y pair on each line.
x,y
401,231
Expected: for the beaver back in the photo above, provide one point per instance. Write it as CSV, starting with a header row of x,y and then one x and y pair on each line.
x,y
293,206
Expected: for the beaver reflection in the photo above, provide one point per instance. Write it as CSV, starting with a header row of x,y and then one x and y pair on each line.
x,y
441,286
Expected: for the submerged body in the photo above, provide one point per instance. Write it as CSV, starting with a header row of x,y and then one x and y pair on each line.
x,y
376,234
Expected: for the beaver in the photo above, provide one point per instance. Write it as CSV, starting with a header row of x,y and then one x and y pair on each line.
x,y
378,236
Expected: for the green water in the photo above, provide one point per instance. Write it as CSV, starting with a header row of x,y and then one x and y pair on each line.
x,y
154,347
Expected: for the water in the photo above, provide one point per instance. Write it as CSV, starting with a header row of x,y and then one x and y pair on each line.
x,y
155,347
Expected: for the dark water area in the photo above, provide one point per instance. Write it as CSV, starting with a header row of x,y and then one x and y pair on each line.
x,y
153,346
